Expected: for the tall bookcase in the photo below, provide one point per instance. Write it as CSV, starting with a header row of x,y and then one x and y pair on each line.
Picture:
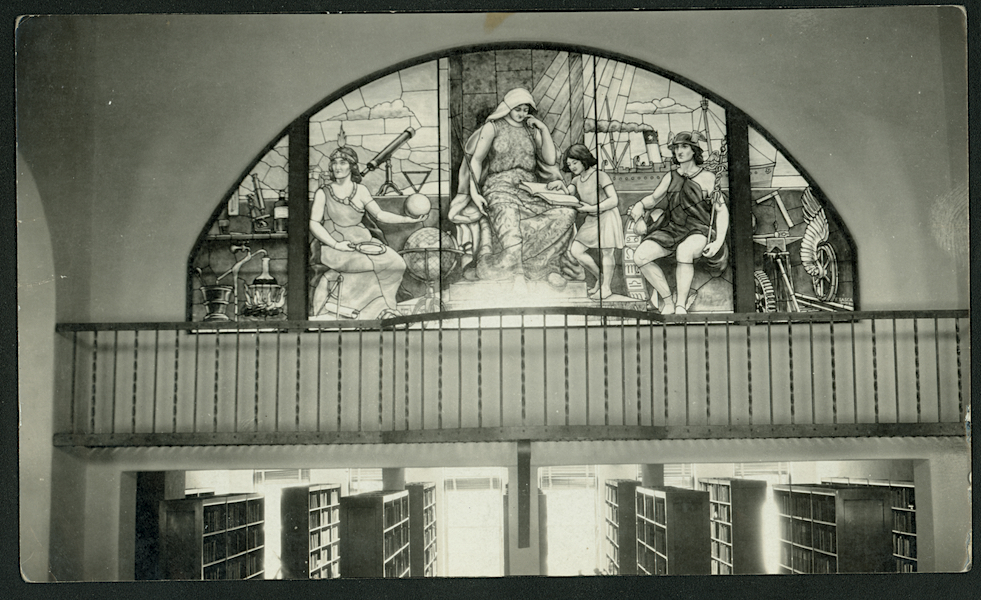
x,y
422,528
903,519
736,525
673,531
374,534
621,526
213,537
831,528
310,518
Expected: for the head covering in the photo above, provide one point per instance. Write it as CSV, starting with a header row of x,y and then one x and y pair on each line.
x,y
685,137
347,154
512,100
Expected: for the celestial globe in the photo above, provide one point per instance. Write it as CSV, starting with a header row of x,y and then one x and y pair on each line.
x,y
417,205
429,254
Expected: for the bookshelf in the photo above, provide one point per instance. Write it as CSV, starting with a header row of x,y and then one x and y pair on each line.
x,y
621,527
374,534
310,518
903,495
673,531
422,528
213,537
736,525
832,528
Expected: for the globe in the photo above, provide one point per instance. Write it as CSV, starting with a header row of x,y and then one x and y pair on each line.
x,y
426,256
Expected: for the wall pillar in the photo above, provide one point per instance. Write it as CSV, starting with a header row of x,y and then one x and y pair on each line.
x,y
943,512
652,475
393,479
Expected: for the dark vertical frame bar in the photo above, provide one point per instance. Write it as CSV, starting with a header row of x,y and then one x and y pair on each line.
x,y
834,375
769,364
500,371
360,378
299,217
664,364
197,356
749,370
740,211
320,373
381,377
214,414
238,335
936,344
297,414
810,335
875,373
640,406
340,348
960,380
156,368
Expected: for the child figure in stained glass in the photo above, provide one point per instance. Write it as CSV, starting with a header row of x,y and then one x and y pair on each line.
x,y
602,227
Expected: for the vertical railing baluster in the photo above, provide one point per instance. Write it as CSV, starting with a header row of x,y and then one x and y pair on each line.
x,y
623,374
895,365
664,363
197,356
606,373
214,412
360,372
177,370
728,376
405,400
960,381
854,375
71,406
936,353
136,371
156,368
340,348
320,374
115,364
522,344
650,344
875,373
769,363
916,367
381,377
544,370
565,353
500,370
708,382
238,344
439,374
749,370
684,327
459,375
422,374
834,376
95,372
640,405
790,358
255,390
276,381
298,340
480,373
394,375
810,337
586,361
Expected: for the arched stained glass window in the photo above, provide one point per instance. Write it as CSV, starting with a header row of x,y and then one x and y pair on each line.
x,y
521,177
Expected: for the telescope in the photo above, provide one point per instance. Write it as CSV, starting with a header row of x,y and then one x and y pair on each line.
x,y
387,152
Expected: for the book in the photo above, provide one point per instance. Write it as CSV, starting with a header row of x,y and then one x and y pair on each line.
x,y
540,190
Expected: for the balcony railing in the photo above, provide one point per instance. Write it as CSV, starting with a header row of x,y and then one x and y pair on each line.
x,y
558,374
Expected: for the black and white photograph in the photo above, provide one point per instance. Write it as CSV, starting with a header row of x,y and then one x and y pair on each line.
x,y
623,294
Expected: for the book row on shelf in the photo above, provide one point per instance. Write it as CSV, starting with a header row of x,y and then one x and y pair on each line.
x,y
323,556
904,497
323,537
718,492
722,532
651,563
398,566
324,498
653,536
904,547
396,511
395,540
324,516
722,552
721,512
242,567
904,521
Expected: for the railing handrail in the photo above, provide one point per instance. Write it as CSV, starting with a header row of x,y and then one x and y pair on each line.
x,y
578,311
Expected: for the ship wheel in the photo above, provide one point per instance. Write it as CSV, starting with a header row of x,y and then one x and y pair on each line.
x,y
766,300
825,282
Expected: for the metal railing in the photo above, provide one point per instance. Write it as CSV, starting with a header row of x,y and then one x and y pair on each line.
x,y
557,373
